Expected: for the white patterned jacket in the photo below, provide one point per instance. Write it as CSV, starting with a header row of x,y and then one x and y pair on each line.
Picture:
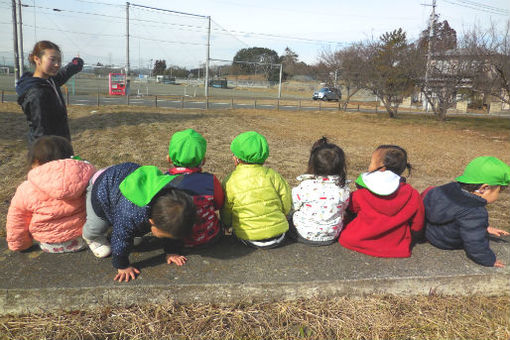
x,y
318,207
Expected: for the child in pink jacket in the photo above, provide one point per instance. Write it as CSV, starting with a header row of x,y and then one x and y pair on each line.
x,y
49,206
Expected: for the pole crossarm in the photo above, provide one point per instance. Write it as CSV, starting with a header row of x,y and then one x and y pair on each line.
x,y
168,10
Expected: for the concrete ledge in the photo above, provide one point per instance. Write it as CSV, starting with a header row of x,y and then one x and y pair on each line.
x,y
34,282
20,301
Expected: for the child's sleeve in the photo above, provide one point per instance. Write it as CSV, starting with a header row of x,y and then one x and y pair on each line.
x,y
219,194
18,221
283,190
226,211
297,198
418,220
354,206
123,234
473,231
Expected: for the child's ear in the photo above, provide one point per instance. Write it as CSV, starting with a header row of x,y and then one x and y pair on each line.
x,y
203,162
483,188
168,159
151,221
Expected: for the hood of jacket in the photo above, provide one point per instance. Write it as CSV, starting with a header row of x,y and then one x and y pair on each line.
x,y
143,184
27,81
381,183
389,205
63,178
442,204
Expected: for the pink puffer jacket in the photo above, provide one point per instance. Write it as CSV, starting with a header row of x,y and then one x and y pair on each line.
x,y
50,205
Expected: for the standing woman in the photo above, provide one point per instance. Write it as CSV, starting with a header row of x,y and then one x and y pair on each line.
x,y
39,93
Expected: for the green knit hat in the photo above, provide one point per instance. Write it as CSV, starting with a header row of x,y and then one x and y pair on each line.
x,y
187,148
250,147
486,170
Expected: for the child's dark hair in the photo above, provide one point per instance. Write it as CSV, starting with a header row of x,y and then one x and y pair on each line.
x,y
395,159
173,211
39,49
327,159
49,148
470,187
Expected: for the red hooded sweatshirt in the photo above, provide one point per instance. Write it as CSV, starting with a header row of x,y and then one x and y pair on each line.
x,y
383,224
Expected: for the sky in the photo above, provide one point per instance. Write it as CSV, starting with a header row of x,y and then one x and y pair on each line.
x,y
96,30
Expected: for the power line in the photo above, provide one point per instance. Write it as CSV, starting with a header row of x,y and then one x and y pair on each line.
x,y
478,7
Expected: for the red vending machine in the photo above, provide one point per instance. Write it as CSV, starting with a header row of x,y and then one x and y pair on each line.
x,y
117,84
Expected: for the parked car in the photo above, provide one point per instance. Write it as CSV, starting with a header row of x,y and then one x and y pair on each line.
x,y
327,93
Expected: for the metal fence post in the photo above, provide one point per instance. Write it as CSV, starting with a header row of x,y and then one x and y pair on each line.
x,y
232,104
278,105
358,107
375,108
182,102
207,103
97,98
2,96
67,98
255,104
320,106
156,101
127,98
299,105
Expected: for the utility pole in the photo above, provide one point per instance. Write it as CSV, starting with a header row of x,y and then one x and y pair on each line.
x,y
15,42
207,57
20,41
429,52
127,39
280,84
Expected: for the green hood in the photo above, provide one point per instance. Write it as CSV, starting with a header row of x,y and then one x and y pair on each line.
x,y
143,184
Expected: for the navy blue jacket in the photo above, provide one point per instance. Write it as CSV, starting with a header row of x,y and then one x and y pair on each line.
x,y
457,219
43,102
128,220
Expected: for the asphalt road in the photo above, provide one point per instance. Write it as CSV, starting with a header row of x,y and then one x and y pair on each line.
x,y
228,103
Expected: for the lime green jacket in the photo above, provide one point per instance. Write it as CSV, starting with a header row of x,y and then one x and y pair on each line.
x,y
257,201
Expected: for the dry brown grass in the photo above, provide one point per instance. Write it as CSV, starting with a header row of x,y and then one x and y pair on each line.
x,y
113,134
376,317
439,152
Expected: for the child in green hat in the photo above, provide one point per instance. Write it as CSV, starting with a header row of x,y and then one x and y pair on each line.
x,y
456,216
135,200
257,198
186,152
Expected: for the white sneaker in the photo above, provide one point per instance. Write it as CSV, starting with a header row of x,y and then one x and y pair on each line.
x,y
100,247
137,241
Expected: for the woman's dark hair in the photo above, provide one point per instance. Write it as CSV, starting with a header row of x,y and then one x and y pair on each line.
x,y
327,159
49,148
395,159
173,211
39,49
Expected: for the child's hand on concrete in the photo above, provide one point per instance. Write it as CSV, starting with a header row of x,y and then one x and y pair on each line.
x,y
498,264
497,232
126,274
175,258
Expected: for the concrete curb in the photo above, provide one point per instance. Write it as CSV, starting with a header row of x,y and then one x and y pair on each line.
x,y
41,300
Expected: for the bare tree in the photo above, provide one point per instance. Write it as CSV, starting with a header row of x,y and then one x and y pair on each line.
x,y
490,50
449,80
349,63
